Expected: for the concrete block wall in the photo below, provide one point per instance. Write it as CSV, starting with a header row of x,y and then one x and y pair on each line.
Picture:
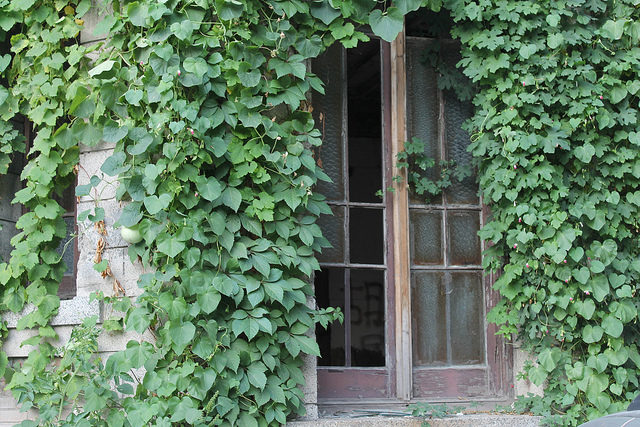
x,y
523,387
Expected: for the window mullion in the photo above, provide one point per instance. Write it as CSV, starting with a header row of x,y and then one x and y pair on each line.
x,y
400,199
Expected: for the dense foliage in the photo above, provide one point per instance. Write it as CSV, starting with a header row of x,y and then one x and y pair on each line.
x,y
556,137
207,105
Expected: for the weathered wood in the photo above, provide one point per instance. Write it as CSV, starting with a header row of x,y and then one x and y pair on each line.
x,y
400,222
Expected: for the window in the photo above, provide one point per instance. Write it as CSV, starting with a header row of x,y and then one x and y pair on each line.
x,y
10,213
405,271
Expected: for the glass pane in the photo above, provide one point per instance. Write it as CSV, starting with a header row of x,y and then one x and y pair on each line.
x,y
69,253
464,243
329,286
467,320
456,113
428,319
425,234
366,240
9,185
333,230
7,231
68,199
365,127
367,318
329,117
422,106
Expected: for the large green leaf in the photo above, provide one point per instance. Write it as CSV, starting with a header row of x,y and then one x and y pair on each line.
x,y
323,10
591,334
155,204
612,326
387,25
181,334
170,245
209,189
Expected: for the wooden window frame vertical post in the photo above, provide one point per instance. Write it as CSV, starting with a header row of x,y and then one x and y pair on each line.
x,y
400,195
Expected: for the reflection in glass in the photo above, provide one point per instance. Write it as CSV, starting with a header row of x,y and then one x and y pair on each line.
x,y
328,114
367,317
329,286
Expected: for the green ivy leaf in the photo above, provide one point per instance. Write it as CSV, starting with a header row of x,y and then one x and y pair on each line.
x,y
232,198
591,334
555,40
612,326
324,11
256,376
527,50
210,189
613,30
131,214
585,152
549,358
137,13
249,76
104,70
617,94
114,133
181,335
229,9
586,308
388,25
170,246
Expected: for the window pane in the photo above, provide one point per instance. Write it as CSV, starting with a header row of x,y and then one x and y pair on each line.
x,y
366,240
333,230
364,126
7,231
425,234
464,244
68,199
422,107
467,320
68,257
329,284
328,113
365,169
367,318
456,113
428,319
9,185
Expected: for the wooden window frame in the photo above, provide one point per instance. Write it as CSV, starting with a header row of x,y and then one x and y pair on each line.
x,y
369,382
499,359
395,382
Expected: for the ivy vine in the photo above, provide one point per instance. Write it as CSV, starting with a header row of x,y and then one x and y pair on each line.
x,y
206,104
555,137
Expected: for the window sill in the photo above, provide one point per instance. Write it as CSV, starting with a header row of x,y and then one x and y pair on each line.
x,y
71,312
